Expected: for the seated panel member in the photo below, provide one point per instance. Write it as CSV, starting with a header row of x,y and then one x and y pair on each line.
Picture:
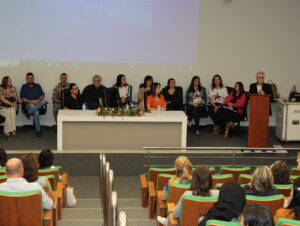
x,y
156,99
57,93
94,94
16,183
125,90
33,96
73,100
142,93
173,96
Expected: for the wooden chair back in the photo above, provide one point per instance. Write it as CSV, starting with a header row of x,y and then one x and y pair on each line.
x,y
3,178
287,222
162,180
284,189
221,223
47,172
235,172
176,191
244,179
153,173
295,171
216,179
273,202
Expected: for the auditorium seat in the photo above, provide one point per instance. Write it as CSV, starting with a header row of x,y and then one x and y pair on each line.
x,y
2,171
193,207
3,178
293,178
274,202
221,223
235,171
244,179
29,206
284,189
224,178
295,171
287,222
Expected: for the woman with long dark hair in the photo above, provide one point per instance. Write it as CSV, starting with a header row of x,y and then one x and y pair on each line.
x,y
173,96
8,105
196,99
144,90
156,100
234,106
217,96
125,90
73,100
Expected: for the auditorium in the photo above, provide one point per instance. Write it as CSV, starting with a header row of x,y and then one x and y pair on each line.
x,y
149,112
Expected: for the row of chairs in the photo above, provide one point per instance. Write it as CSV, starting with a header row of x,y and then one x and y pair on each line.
x,y
280,222
109,197
31,201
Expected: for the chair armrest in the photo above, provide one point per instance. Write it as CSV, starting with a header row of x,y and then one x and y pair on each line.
x,y
59,199
144,191
161,209
143,180
171,206
151,200
172,221
151,189
48,217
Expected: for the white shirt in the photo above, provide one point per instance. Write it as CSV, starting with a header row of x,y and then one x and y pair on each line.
x,y
20,185
123,91
259,88
218,95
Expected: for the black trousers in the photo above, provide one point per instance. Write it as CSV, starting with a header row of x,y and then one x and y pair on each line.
x,y
231,116
2,119
196,113
216,117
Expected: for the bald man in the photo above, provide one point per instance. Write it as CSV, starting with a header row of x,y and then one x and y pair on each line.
x,y
16,183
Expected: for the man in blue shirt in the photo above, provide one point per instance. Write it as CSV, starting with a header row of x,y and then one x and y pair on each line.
x,y
33,96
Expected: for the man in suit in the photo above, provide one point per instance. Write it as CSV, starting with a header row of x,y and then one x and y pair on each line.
x,y
260,87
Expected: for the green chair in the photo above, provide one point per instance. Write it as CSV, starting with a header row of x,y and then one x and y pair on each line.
x,y
235,171
284,189
295,171
221,223
244,178
287,222
2,171
224,178
52,181
3,178
274,202
293,178
45,172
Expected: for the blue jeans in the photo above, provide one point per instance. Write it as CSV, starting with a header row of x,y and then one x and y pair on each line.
x,y
33,109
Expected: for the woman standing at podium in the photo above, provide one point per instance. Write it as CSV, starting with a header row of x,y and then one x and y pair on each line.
x,y
217,96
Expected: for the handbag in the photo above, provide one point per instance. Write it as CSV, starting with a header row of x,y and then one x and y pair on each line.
x,y
274,89
5,105
70,197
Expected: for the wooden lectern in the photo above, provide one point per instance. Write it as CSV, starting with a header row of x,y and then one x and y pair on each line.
x,y
258,133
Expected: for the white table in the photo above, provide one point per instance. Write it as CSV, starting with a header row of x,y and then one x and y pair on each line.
x,y
85,130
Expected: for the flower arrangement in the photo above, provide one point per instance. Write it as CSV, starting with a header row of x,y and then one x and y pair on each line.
x,y
119,112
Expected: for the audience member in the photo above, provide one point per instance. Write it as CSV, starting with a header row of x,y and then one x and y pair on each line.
x,y
31,166
229,206
281,172
184,173
58,95
94,94
201,185
292,204
8,105
3,157
261,183
46,159
16,183
156,100
255,214
234,107
33,96
173,96
144,90
298,160
196,100
73,100
125,90
217,96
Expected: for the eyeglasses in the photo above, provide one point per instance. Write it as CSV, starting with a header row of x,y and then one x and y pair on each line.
x,y
97,80
260,77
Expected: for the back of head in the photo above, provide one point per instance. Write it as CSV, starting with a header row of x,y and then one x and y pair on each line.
x,y
46,158
3,157
184,168
255,214
31,167
281,172
201,181
262,179
295,203
230,204
14,168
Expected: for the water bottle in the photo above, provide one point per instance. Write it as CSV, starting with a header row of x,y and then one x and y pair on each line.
x,y
158,108
83,107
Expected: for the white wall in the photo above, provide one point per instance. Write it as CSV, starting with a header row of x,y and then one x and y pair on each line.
x,y
237,38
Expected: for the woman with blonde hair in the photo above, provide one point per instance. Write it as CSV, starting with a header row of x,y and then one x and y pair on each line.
x,y
184,173
261,183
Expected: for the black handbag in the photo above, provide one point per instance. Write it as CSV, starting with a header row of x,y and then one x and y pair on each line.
x,y
5,105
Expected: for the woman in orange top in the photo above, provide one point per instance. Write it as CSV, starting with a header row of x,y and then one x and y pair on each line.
x,y
156,99
292,204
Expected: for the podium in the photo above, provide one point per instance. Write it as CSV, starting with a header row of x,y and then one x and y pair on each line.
x,y
258,132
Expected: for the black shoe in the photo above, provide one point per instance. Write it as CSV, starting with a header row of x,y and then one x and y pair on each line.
x,y
39,134
27,115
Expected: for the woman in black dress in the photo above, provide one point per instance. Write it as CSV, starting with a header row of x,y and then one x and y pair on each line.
x,y
73,100
173,96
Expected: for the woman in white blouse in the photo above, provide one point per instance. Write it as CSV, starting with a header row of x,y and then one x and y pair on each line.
x,y
125,90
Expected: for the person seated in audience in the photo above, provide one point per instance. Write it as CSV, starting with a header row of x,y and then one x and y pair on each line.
x,y
8,105
125,90
234,107
184,173
201,185
261,183
173,96
143,90
230,204
196,100
3,157
281,172
217,96
298,160
46,159
255,214
33,96
16,183
57,93
94,94
156,101
73,100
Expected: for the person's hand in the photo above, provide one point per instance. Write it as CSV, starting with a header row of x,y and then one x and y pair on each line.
x,y
168,102
230,104
195,105
34,101
288,200
14,104
261,92
216,108
123,100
